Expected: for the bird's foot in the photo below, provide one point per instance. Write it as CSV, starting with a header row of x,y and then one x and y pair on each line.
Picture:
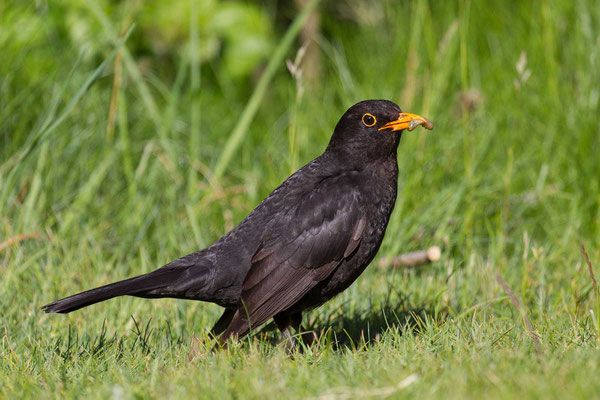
x,y
289,342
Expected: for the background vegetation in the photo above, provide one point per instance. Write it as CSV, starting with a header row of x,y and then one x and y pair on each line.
x,y
107,170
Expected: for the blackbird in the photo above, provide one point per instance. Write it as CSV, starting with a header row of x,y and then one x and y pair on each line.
x,y
302,245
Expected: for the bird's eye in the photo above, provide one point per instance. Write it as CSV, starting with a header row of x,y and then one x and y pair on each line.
x,y
369,119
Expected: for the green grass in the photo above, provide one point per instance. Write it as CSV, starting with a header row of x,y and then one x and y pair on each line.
x,y
508,183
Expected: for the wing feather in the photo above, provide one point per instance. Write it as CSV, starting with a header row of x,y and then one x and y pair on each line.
x,y
302,247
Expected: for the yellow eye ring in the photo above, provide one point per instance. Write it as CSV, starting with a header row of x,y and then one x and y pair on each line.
x,y
369,119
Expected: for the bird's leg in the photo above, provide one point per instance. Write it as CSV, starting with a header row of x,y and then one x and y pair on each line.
x,y
222,323
296,323
283,323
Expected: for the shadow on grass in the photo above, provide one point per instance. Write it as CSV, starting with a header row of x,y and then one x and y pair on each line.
x,y
351,327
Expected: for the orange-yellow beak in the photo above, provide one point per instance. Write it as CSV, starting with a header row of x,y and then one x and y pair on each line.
x,y
408,121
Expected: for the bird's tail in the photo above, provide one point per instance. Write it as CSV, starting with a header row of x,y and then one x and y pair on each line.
x,y
141,286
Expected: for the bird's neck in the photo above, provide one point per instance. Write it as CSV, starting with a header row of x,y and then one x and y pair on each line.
x,y
351,161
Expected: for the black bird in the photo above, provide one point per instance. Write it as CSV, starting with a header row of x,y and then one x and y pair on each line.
x,y
302,245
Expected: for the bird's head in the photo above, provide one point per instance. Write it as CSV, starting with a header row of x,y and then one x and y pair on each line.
x,y
371,129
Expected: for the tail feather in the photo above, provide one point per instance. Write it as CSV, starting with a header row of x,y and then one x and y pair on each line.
x,y
138,286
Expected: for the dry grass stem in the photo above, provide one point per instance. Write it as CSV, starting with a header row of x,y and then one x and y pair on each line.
x,y
19,238
522,311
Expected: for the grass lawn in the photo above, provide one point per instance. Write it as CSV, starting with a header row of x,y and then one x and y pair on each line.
x,y
508,184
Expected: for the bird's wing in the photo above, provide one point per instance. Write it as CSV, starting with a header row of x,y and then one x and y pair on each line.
x,y
302,247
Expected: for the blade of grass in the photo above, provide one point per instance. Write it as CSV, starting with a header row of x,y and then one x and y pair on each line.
x,y
276,61
48,128
464,13
170,113
522,311
118,76
596,289
86,194
126,151
73,102
195,109
132,68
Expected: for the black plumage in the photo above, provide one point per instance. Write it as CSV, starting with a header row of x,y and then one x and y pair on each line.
x,y
302,245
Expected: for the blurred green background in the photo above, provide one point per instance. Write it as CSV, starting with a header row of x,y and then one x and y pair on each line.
x,y
132,133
